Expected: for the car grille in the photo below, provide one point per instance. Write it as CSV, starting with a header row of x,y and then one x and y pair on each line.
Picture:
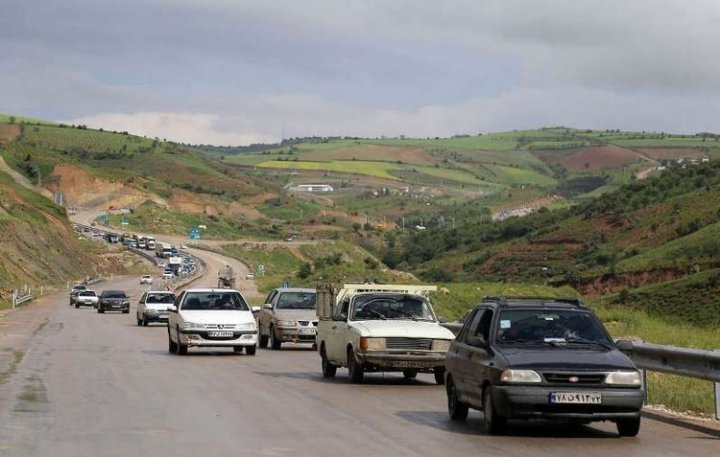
x,y
220,326
578,378
408,343
307,323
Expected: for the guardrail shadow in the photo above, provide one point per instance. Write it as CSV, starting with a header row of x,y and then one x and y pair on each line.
x,y
712,433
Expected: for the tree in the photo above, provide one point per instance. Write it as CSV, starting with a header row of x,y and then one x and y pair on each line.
x,y
356,227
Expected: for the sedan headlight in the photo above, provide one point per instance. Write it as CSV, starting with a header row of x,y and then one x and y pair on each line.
x,y
192,326
286,324
441,345
247,326
624,378
372,344
520,376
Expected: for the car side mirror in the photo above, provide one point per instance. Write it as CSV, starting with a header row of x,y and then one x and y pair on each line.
x,y
255,309
172,309
624,345
442,319
267,306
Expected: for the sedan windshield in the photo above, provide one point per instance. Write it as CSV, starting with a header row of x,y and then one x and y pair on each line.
x,y
392,307
87,293
296,300
550,326
114,294
195,301
160,298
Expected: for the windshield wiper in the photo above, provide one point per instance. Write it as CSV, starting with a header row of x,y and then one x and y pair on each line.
x,y
529,342
375,313
408,315
586,341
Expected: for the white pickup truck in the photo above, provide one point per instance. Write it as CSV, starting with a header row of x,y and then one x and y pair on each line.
x,y
373,327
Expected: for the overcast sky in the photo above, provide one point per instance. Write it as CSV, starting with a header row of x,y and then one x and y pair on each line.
x,y
232,72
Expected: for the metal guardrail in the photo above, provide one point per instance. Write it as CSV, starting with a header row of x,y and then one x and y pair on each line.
x,y
18,299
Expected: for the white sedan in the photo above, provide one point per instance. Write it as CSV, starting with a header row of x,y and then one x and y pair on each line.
x,y
212,318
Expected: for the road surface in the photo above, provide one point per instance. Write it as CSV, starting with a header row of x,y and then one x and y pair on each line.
x,y
89,384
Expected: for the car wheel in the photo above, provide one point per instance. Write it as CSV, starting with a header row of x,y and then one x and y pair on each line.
x,y
126,311
237,349
457,410
355,369
264,341
410,374
628,427
275,343
439,374
493,423
172,346
328,369
101,310
77,305
250,350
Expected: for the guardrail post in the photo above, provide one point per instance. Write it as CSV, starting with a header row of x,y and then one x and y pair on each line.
x,y
14,297
717,396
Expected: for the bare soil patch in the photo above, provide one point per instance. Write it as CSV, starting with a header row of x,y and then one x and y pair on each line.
x,y
84,189
671,153
9,132
597,158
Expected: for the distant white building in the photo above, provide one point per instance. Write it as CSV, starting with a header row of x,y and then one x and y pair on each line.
x,y
315,187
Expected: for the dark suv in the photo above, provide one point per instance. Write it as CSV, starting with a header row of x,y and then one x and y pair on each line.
x,y
540,358
113,300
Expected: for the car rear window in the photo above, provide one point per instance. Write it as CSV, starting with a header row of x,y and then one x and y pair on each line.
x,y
87,293
232,301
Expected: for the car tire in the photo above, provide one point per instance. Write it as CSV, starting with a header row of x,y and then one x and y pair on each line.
x,y
237,349
139,321
493,423
182,348
439,374
628,427
457,410
356,372
275,343
410,374
77,305
145,322
328,369
264,341
101,310
172,346
126,311
250,350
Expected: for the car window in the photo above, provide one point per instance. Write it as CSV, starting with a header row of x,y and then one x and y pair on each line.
x,y
296,300
342,310
209,301
270,296
160,298
474,323
549,326
483,327
467,320
392,307
114,294
87,293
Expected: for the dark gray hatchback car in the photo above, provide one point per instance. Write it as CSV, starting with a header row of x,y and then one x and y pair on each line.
x,y
540,358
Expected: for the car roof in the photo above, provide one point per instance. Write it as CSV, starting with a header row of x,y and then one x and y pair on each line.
x,y
169,292
208,289
534,302
295,289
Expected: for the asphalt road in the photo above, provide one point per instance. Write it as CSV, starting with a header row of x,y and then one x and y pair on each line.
x,y
97,385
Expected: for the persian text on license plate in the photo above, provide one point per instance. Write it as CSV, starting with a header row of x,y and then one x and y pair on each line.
x,y
590,398
307,331
219,334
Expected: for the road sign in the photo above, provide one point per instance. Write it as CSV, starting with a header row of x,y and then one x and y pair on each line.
x,y
261,268
194,234
124,221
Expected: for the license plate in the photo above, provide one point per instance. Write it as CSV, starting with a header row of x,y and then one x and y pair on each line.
x,y
307,331
591,398
163,316
219,334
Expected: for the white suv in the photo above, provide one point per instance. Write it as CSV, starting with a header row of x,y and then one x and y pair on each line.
x,y
212,318
145,279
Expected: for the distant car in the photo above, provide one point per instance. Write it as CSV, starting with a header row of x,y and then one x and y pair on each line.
x,y
168,274
250,275
153,307
540,358
288,316
113,300
183,246
86,298
74,291
146,279
211,318
161,264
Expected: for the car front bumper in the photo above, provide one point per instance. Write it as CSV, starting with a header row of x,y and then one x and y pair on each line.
x,y
397,361
202,338
530,402
296,334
